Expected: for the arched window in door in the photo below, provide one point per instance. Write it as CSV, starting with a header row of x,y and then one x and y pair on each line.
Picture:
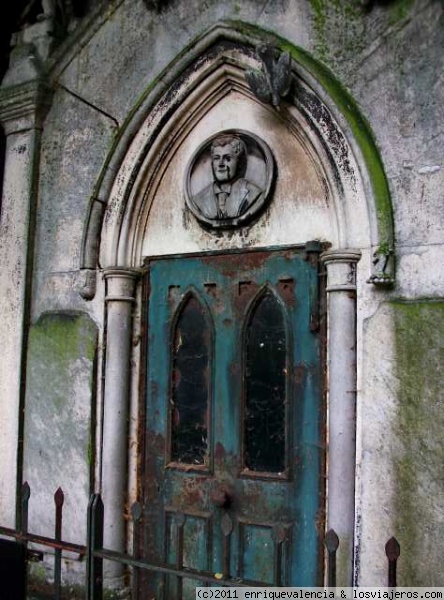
x,y
190,384
265,400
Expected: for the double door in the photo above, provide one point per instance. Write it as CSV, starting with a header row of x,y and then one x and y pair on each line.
x,y
233,450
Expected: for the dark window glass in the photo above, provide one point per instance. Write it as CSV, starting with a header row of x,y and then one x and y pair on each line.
x,y
265,388
190,385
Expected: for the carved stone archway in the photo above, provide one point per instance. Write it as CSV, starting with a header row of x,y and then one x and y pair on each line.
x,y
354,215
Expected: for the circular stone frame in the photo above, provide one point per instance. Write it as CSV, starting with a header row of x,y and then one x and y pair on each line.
x,y
259,170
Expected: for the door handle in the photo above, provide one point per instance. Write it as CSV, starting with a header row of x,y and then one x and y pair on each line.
x,y
222,496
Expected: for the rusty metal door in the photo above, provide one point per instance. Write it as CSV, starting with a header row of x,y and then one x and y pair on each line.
x,y
233,456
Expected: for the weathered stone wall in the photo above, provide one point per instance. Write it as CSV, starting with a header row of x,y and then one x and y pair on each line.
x,y
59,448
419,477
387,58
388,55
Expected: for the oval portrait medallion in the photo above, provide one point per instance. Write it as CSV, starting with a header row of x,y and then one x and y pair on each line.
x,y
229,179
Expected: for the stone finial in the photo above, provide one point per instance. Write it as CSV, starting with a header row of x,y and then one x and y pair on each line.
x,y
272,82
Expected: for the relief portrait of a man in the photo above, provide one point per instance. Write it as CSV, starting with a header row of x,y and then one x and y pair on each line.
x,y
230,194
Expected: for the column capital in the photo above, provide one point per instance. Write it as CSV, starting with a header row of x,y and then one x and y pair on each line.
x,y
341,269
121,283
24,106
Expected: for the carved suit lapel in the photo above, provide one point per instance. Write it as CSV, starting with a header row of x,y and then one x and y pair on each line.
x,y
238,197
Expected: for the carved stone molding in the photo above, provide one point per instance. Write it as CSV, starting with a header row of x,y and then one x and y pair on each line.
x,y
24,106
121,283
310,105
383,267
229,179
273,81
86,283
86,277
341,268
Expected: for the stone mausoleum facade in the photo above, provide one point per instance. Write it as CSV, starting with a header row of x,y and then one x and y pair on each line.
x,y
221,250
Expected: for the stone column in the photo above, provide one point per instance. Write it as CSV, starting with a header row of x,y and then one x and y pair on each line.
x,y
341,289
120,298
22,111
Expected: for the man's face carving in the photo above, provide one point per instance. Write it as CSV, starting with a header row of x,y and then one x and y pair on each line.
x,y
224,161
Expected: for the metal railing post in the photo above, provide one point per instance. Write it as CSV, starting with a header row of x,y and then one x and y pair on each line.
x,y
23,527
332,544
392,551
94,568
59,499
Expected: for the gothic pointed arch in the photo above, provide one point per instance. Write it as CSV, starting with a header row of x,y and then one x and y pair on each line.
x,y
190,96
191,360
266,359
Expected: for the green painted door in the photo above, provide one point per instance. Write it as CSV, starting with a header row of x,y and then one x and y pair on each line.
x,y
233,453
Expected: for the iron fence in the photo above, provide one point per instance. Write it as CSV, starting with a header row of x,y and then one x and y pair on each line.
x,y
15,588
15,553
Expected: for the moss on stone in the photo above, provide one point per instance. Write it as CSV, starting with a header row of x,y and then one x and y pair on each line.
x,y
419,331
348,13
60,394
64,335
358,124
319,22
351,15
57,341
399,10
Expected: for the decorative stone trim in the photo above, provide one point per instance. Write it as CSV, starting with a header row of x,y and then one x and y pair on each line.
x,y
249,188
341,267
383,267
120,283
272,82
330,112
86,283
24,106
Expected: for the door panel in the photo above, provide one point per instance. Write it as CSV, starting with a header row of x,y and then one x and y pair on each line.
x,y
233,453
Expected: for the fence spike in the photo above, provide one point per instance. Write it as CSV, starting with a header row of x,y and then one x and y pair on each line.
x,y
94,567
331,540
332,544
59,497
392,549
